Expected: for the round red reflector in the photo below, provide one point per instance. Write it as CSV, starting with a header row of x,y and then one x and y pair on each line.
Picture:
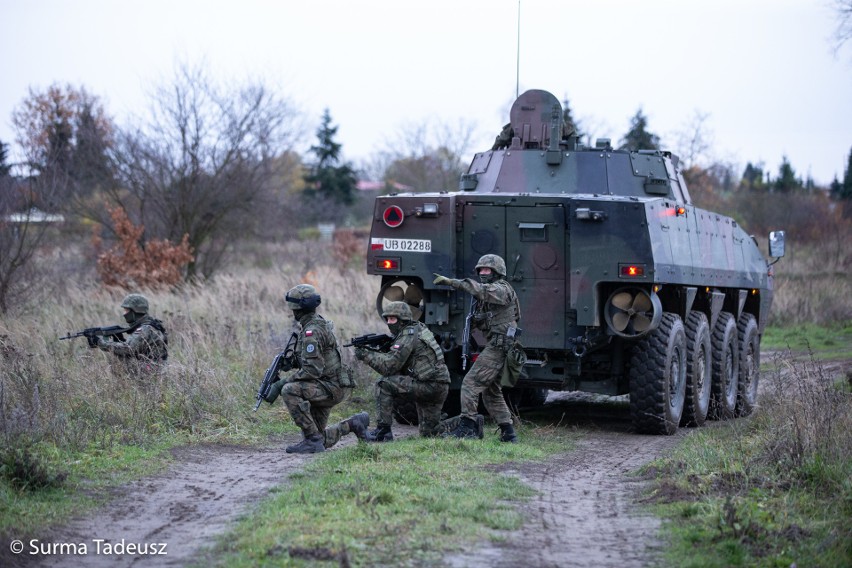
x,y
393,216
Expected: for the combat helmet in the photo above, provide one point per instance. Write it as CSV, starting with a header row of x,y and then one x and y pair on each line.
x,y
398,309
303,297
135,302
494,262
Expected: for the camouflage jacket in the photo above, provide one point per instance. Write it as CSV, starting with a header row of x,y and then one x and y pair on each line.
x,y
497,307
147,342
414,352
316,350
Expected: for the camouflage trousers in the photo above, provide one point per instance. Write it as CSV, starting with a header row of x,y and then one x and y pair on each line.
x,y
484,378
310,403
428,398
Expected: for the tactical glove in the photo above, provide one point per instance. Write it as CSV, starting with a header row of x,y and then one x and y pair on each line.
x,y
92,340
443,280
360,353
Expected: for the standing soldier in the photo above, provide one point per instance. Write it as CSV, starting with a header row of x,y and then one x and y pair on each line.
x,y
147,344
412,369
320,381
496,312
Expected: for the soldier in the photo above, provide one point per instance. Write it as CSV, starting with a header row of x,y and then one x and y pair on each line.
x,y
496,312
320,381
412,369
147,344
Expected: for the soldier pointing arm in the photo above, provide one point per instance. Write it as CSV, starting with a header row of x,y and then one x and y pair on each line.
x,y
496,314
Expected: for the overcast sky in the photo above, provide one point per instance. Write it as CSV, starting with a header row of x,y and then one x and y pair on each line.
x,y
763,70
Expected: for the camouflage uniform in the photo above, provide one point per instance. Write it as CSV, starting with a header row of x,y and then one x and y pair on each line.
x,y
320,381
413,369
147,345
312,391
496,310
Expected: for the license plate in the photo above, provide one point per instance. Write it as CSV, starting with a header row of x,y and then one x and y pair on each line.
x,y
401,245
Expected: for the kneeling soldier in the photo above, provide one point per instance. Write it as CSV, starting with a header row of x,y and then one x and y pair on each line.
x,y
413,369
320,383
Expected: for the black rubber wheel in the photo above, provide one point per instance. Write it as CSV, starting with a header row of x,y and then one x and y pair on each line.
x,y
749,371
518,398
658,378
405,411
723,399
698,370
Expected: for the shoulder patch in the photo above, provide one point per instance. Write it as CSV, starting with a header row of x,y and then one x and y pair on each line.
x,y
309,332
396,346
310,347
410,331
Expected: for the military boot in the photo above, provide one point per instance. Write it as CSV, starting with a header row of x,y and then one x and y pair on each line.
x,y
467,428
480,426
381,434
507,433
358,425
310,445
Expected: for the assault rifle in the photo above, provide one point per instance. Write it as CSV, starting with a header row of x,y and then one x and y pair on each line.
x,y
284,361
372,341
466,334
90,333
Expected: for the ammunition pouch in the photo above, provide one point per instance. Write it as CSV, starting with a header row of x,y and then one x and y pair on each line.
x,y
513,368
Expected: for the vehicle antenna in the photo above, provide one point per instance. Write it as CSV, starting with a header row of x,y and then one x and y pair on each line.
x,y
518,55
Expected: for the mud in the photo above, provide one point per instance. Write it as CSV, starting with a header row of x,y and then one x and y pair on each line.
x,y
586,511
184,508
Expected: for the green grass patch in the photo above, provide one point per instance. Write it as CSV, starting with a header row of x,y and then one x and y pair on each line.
x,y
374,504
825,342
770,490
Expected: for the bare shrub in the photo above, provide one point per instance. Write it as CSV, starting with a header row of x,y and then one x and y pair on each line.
x,y
807,416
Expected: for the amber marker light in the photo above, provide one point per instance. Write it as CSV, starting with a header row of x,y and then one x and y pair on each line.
x,y
387,264
680,211
631,270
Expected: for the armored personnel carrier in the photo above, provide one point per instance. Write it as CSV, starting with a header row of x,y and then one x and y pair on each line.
x,y
626,288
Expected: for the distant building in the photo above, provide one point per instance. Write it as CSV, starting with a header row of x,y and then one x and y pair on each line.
x,y
34,215
383,187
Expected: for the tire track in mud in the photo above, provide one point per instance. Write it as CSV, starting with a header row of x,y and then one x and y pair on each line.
x,y
585,512
185,507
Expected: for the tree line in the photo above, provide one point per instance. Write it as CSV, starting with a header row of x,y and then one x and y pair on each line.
x,y
170,193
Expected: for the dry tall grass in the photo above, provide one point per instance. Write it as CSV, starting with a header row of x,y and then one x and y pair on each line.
x,y
222,336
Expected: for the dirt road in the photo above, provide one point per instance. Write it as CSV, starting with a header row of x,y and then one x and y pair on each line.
x,y
585,514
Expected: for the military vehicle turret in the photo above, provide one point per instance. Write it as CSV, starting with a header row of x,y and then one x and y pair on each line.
x,y
626,287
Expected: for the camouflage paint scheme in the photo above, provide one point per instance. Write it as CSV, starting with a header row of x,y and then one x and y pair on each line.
x,y
570,222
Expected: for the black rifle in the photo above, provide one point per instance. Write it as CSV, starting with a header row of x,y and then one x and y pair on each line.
x,y
466,334
372,341
284,361
90,333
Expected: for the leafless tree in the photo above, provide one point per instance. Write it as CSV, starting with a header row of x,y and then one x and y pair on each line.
x,y
203,161
843,31
427,157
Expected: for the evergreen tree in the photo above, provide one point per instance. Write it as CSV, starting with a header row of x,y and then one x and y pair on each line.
x,y
787,180
846,188
4,155
752,177
571,125
638,137
328,176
